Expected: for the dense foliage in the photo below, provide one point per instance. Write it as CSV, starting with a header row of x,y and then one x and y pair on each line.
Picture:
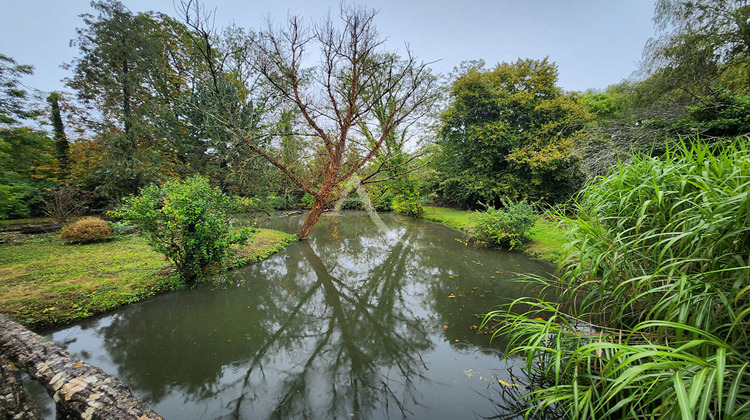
x,y
133,68
26,154
26,169
407,201
188,222
653,309
509,132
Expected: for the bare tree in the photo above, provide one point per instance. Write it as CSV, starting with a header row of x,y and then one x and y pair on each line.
x,y
339,97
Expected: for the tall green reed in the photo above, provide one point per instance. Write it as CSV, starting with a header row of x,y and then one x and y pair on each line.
x,y
654,302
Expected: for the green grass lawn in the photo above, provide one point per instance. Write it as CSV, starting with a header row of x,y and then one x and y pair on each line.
x,y
45,281
547,235
457,219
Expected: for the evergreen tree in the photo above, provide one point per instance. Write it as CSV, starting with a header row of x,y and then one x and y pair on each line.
x,y
133,69
61,141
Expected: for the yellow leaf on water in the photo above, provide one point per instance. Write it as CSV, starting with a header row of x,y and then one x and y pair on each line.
x,y
502,382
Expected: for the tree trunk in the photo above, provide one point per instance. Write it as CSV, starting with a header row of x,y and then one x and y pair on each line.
x,y
319,206
127,118
81,390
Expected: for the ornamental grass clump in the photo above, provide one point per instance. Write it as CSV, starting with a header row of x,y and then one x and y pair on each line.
x,y
86,231
654,304
188,222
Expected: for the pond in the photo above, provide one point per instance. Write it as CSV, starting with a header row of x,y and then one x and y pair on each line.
x,y
368,318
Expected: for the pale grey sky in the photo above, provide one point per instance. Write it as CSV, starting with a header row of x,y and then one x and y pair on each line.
x,y
595,43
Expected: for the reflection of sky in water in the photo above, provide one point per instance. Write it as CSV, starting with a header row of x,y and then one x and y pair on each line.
x,y
355,322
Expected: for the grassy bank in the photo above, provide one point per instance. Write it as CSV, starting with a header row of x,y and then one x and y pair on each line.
x,y
44,281
264,244
547,236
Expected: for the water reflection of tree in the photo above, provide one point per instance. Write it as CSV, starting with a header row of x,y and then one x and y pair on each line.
x,y
368,347
357,340
181,342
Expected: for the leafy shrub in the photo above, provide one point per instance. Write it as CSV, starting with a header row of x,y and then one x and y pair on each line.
x,y
507,227
188,221
724,115
275,202
307,201
86,231
653,310
407,203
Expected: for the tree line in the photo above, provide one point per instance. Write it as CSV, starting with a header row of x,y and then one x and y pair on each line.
x,y
289,114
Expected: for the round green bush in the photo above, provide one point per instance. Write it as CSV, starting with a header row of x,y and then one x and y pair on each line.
x,y
508,227
188,222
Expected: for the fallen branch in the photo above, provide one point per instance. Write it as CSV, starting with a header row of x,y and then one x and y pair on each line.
x,y
33,229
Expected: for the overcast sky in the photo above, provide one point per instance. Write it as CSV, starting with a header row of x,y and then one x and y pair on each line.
x,y
595,43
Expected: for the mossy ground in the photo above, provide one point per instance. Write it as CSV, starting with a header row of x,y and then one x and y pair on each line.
x,y
45,281
547,235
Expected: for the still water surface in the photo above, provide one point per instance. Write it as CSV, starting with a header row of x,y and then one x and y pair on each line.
x,y
359,321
